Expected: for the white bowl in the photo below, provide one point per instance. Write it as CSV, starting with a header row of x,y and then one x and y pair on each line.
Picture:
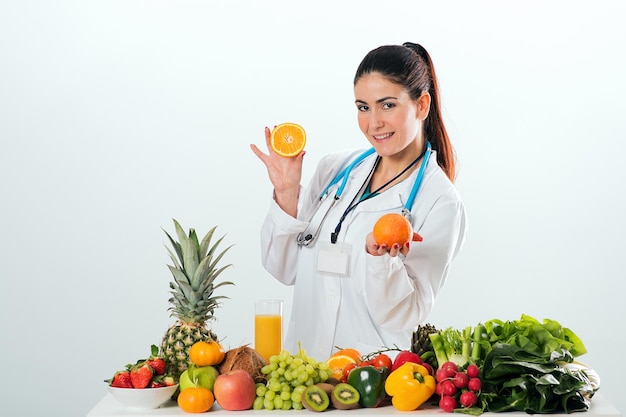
x,y
142,399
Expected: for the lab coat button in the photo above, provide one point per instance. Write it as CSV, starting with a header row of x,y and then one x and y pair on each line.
x,y
331,297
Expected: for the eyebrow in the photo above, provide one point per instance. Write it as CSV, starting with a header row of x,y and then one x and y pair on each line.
x,y
380,100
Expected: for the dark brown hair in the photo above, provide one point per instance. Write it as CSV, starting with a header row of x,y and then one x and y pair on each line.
x,y
410,66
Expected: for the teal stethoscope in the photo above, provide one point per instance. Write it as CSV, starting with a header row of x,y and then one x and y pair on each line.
x,y
306,238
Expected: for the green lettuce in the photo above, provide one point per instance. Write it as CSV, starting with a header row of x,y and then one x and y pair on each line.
x,y
517,379
534,336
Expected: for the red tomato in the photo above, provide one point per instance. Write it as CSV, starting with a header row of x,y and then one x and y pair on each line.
x,y
346,371
381,360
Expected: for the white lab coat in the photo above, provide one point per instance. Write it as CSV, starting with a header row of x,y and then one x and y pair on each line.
x,y
383,299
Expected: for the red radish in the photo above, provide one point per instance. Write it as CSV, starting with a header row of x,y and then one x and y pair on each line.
x,y
472,370
448,388
468,399
441,375
447,403
450,366
460,380
437,389
474,384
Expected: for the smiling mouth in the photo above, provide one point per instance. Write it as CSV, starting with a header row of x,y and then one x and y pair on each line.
x,y
382,137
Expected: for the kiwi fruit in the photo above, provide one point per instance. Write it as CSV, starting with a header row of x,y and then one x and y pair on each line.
x,y
345,397
327,387
315,398
332,380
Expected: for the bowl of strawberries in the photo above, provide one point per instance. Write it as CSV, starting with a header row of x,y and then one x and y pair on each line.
x,y
143,398
143,385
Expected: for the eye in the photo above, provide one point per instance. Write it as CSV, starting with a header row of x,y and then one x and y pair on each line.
x,y
388,105
362,107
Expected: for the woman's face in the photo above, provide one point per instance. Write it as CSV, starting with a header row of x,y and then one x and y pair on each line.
x,y
387,116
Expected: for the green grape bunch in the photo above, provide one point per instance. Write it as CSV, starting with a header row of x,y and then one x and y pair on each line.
x,y
287,377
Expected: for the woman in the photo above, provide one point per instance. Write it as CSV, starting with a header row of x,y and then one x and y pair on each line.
x,y
348,291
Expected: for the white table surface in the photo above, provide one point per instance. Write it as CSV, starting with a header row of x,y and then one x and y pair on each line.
x,y
110,407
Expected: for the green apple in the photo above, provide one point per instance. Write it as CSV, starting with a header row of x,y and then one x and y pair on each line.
x,y
198,376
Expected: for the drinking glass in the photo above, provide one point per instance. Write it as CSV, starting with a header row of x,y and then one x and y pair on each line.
x,y
268,327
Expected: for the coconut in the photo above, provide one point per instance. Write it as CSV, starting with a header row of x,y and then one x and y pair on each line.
x,y
246,358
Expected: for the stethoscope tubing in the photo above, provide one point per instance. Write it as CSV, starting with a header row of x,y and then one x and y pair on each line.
x,y
344,175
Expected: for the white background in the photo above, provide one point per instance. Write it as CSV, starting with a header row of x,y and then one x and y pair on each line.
x,y
117,116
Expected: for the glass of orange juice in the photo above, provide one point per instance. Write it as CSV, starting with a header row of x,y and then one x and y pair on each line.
x,y
268,327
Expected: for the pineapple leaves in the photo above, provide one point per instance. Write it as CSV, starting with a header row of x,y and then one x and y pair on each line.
x,y
195,268
177,248
180,232
219,257
190,255
181,281
206,241
173,258
216,273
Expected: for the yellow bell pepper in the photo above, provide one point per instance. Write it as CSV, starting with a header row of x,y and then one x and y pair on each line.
x,y
410,386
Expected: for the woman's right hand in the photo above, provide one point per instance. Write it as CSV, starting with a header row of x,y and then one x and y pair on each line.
x,y
284,173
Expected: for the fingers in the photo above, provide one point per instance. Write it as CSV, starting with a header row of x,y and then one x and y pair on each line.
x,y
258,152
405,249
396,249
378,250
268,136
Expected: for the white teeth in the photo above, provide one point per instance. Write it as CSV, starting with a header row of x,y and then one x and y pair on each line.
x,y
385,136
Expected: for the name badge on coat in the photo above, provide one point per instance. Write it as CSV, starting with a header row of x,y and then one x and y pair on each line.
x,y
333,258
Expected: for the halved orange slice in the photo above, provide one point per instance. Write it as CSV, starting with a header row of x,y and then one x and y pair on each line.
x,y
338,361
288,139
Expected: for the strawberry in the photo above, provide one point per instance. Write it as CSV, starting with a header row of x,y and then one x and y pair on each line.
x,y
141,374
169,380
157,382
121,379
156,362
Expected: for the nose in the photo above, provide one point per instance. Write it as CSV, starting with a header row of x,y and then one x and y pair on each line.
x,y
375,119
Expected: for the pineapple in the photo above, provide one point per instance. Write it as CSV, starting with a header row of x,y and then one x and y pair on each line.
x,y
192,303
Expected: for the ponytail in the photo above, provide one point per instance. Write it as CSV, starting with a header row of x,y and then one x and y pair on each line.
x,y
433,125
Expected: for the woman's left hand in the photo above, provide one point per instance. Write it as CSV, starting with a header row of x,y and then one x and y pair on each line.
x,y
378,250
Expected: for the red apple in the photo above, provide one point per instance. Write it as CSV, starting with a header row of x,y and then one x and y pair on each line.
x,y
235,390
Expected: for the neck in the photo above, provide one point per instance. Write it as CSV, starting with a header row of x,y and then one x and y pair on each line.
x,y
392,170
389,168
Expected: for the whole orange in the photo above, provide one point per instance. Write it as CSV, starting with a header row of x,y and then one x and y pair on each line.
x,y
195,400
206,353
351,352
392,228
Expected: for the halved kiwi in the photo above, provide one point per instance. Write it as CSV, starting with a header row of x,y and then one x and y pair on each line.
x,y
315,398
345,396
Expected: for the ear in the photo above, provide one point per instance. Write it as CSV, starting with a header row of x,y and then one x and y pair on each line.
x,y
423,106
